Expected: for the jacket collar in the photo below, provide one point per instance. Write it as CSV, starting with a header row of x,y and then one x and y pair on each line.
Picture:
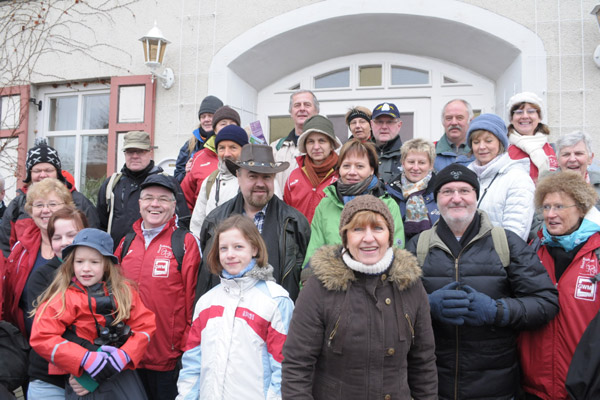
x,y
330,270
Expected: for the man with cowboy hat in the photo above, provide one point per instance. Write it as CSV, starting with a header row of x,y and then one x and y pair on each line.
x,y
284,229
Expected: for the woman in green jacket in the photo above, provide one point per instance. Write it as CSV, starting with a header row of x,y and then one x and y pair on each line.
x,y
357,167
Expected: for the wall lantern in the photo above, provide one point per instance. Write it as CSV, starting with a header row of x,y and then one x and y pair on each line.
x,y
596,12
155,45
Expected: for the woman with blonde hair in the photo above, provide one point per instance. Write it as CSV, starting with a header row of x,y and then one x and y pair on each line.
x,y
33,248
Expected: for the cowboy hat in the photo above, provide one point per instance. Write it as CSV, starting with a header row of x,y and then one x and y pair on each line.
x,y
257,158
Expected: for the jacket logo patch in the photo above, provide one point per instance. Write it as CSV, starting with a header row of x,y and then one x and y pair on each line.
x,y
585,289
589,266
161,268
165,251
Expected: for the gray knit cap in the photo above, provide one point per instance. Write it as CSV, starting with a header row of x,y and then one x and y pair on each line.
x,y
210,104
319,124
225,112
366,202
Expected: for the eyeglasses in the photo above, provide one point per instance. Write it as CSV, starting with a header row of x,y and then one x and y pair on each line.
x,y
160,199
51,206
529,111
461,192
131,152
388,122
48,171
556,208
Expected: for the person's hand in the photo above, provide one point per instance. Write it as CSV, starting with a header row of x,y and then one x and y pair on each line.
x,y
118,358
482,308
449,305
96,364
188,165
76,386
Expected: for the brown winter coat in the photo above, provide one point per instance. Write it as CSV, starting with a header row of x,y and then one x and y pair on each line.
x,y
365,336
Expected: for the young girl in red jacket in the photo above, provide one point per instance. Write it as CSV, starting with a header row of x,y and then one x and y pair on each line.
x,y
95,308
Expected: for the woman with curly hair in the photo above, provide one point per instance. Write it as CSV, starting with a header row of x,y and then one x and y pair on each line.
x,y
569,239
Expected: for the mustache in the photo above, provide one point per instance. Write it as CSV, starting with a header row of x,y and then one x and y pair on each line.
x,y
455,127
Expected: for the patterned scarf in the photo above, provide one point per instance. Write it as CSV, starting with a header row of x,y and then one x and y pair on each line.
x,y
417,215
348,192
317,173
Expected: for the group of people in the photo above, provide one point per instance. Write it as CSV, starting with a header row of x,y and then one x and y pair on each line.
x,y
312,268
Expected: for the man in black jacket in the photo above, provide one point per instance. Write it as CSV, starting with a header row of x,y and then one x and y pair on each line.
x,y
485,285
119,208
284,229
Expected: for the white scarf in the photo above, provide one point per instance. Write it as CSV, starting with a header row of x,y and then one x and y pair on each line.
x,y
534,146
372,269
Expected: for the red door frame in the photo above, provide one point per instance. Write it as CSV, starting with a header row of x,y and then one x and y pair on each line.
x,y
22,130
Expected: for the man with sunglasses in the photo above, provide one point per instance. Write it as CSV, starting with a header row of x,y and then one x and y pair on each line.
x,y
386,124
118,197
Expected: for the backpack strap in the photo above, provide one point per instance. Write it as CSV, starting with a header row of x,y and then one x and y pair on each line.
x,y
423,245
177,245
280,143
126,243
110,198
501,245
210,181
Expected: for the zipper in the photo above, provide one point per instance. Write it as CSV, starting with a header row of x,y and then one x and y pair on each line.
x,y
334,331
412,329
285,273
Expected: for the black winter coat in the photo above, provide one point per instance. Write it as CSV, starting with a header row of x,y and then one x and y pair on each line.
x,y
286,233
481,362
127,209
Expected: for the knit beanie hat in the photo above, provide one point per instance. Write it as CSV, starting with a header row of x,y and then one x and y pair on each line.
x,y
319,124
358,112
210,104
524,97
225,112
492,124
233,133
42,153
453,173
366,202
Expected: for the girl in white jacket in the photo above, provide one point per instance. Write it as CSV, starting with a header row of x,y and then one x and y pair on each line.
x,y
239,327
506,188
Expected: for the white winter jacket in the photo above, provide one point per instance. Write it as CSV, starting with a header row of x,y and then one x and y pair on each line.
x,y
225,186
234,346
506,194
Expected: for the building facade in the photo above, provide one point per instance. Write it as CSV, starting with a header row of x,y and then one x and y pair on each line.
x,y
252,54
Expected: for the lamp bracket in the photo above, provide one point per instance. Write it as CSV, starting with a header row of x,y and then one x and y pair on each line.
x,y
34,101
166,78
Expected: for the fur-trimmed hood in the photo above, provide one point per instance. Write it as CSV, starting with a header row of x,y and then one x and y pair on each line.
x,y
329,268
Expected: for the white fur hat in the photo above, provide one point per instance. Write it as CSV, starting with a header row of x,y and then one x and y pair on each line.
x,y
524,97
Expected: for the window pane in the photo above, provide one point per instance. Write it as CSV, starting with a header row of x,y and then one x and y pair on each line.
x,y
94,150
65,146
409,76
448,80
95,111
279,127
335,79
370,75
63,113
10,110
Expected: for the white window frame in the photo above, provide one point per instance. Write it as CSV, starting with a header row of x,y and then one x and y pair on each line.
x,y
46,94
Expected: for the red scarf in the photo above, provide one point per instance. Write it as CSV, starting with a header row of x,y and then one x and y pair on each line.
x,y
317,173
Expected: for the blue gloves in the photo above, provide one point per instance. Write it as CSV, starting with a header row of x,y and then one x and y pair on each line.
x,y
482,308
96,364
449,305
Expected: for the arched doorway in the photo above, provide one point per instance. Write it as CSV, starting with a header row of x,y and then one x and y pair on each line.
x,y
450,33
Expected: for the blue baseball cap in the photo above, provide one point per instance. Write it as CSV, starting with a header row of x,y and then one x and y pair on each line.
x,y
386,109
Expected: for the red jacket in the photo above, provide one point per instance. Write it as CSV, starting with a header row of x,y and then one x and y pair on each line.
x,y
164,290
64,356
299,193
546,353
516,154
203,164
2,272
18,267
